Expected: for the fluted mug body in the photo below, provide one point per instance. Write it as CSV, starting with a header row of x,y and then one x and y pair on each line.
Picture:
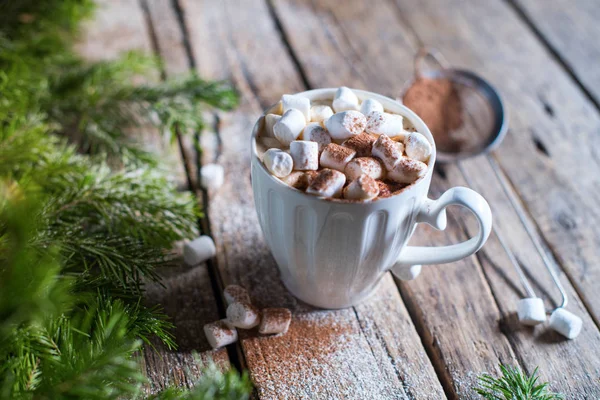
x,y
332,253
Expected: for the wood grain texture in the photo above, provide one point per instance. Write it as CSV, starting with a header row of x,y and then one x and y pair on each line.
x,y
371,351
187,295
348,44
571,30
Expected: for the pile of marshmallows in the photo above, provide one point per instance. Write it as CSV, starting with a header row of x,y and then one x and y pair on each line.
x,y
349,153
242,314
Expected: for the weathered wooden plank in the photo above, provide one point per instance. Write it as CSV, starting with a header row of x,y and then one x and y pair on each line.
x,y
371,351
571,30
187,295
348,42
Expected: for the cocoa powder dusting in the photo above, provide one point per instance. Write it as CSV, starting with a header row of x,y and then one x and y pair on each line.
x,y
362,144
339,153
438,103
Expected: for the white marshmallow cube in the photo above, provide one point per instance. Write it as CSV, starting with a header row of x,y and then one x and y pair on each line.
x,y
381,123
369,166
270,121
417,147
407,171
243,315
328,183
305,155
199,250
566,323
300,103
278,162
212,176
236,294
336,157
362,188
220,333
289,126
387,151
344,100
370,105
320,113
345,124
531,311
275,320
316,133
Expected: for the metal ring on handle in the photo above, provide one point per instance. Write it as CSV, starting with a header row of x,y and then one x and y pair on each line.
x,y
434,54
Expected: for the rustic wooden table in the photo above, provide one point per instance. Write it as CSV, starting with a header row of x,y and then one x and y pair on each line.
x,y
425,339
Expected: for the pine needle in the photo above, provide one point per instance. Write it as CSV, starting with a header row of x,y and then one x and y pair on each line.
x,y
514,385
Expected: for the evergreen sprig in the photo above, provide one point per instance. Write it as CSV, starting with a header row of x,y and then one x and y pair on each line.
x,y
514,384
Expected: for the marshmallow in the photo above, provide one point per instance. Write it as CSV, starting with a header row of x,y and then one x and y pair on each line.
x,y
212,176
336,156
344,125
199,250
289,126
236,294
369,166
381,123
385,190
270,121
305,155
269,142
531,311
400,147
278,162
300,103
565,323
362,188
361,143
275,320
370,105
328,183
320,113
387,151
310,176
243,315
344,100
220,333
417,146
297,179
407,171
316,133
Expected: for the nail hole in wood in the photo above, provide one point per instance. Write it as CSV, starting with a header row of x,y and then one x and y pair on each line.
x,y
540,145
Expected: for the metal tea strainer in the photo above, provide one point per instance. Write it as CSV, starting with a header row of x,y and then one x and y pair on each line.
x,y
481,127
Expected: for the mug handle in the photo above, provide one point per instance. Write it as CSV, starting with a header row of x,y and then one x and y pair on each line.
x,y
433,212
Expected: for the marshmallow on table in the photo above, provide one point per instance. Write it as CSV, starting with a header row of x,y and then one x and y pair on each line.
x,y
243,315
328,183
212,176
407,171
278,162
362,188
387,151
336,157
300,103
199,250
344,100
236,294
345,124
361,143
220,333
566,323
275,320
270,121
531,311
417,146
369,166
370,105
305,155
381,123
320,113
316,133
289,126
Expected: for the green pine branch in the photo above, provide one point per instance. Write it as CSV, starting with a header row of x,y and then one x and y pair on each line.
x,y
514,385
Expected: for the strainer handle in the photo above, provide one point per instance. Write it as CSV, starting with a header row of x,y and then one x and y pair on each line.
x,y
425,53
433,212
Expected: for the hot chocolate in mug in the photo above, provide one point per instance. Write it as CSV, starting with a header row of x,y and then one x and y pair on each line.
x,y
332,254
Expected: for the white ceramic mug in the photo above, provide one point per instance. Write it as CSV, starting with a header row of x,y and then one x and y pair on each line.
x,y
332,254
